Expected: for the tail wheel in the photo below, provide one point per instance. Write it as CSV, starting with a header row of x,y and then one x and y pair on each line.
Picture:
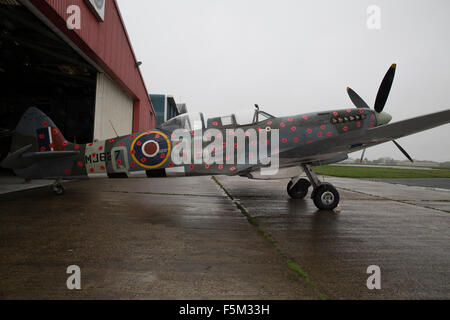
x,y
326,197
299,190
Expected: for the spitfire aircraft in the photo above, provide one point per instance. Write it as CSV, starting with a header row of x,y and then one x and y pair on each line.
x,y
178,147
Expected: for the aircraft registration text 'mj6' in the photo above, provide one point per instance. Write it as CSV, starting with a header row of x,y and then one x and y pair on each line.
x,y
266,147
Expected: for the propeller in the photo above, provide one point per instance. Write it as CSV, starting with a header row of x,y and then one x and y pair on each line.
x,y
362,155
380,103
357,100
403,151
385,88
398,146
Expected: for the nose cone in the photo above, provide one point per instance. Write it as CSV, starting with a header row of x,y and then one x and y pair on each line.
x,y
383,118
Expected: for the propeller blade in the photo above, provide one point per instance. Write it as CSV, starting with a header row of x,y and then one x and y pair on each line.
x,y
403,151
356,99
385,88
362,156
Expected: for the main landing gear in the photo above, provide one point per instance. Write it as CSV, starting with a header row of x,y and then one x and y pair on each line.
x,y
324,195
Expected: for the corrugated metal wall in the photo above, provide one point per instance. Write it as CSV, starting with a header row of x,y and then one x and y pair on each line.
x,y
108,45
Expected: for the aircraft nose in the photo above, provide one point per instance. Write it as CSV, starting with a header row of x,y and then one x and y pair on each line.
x,y
383,118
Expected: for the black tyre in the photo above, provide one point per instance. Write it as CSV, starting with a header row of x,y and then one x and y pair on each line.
x,y
326,197
300,190
58,189
118,175
160,173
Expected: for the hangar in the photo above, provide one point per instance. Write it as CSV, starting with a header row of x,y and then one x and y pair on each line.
x,y
87,79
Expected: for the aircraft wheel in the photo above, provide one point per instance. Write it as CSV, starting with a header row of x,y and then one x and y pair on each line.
x,y
326,197
58,189
300,190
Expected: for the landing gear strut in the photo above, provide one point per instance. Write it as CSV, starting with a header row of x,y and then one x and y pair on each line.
x,y
58,188
324,195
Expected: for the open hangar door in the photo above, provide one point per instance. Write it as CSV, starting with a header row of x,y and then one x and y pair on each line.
x,y
38,68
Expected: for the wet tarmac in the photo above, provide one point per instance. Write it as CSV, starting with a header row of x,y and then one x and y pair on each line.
x,y
436,183
187,238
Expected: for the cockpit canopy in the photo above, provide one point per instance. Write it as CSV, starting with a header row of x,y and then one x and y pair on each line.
x,y
196,121
188,121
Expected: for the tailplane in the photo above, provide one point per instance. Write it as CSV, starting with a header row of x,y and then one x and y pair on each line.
x,y
36,139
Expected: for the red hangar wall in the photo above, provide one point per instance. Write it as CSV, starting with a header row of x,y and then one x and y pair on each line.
x,y
122,102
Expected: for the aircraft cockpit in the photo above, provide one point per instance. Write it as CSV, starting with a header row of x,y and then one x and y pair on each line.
x,y
239,119
188,121
196,121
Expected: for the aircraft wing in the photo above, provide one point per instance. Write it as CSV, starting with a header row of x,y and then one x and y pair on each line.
x,y
329,149
49,155
407,127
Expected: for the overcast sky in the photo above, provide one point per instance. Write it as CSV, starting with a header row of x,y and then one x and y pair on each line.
x,y
292,56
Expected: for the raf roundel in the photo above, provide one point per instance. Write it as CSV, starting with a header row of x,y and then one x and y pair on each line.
x,y
151,149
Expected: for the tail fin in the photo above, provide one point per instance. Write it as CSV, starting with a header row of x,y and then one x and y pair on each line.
x,y
38,130
39,150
